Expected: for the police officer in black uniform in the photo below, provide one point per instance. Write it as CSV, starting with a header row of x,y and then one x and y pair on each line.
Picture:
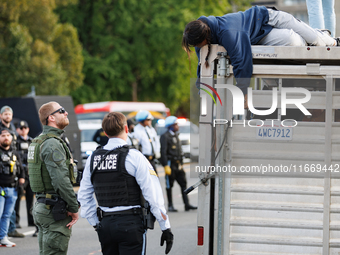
x,y
23,142
172,160
119,176
10,172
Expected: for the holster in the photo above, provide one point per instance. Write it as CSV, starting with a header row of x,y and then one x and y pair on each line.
x,y
99,214
148,218
59,211
79,176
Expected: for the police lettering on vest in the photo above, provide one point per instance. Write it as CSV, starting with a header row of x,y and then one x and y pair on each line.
x,y
113,185
109,163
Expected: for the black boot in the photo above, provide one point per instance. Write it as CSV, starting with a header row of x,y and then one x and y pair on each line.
x,y
35,234
186,202
171,208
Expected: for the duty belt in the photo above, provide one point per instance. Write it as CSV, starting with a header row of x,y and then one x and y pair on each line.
x,y
150,158
9,185
126,212
43,195
175,161
42,200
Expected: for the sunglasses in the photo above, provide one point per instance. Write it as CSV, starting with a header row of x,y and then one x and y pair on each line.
x,y
23,128
60,110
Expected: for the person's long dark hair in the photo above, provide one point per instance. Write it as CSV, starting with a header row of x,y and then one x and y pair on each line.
x,y
196,32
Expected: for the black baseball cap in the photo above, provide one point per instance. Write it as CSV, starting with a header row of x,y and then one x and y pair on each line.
x,y
22,123
5,129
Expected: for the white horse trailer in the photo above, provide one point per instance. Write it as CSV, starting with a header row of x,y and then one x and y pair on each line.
x,y
275,186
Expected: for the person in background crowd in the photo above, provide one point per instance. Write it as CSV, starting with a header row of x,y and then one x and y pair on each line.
x,y
172,161
51,175
6,114
117,169
321,14
23,142
100,137
131,126
147,137
132,141
10,171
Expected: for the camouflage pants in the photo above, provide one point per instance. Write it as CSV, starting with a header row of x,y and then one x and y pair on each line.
x,y
53,235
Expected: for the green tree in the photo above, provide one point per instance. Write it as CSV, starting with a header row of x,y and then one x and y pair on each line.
x,y
37,50
132,49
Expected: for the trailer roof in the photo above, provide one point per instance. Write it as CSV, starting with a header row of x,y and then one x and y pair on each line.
x,y
291,55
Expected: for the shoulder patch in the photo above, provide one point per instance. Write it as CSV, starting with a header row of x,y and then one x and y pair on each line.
x,y
152,172
151,169
57,156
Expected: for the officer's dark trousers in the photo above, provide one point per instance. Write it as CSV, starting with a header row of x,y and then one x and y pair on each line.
x,y
29,203
122,235
178,175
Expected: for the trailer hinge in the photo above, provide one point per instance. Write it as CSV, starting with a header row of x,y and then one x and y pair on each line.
x,y
223,66
313,69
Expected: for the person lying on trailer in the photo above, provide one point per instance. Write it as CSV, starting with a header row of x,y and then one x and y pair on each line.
x,y
259,25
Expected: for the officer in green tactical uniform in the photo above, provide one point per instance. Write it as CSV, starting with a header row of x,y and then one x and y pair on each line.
x,y
50,166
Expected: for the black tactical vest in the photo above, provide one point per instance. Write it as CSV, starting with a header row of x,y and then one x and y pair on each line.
x,y
112,184
22,149
8,163
174,149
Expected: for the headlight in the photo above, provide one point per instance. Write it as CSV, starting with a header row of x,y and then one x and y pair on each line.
x,y
89,153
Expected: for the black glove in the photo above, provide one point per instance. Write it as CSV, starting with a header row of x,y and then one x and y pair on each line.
x,y
168,237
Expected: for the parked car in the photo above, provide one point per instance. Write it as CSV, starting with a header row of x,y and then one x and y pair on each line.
x,y
87,130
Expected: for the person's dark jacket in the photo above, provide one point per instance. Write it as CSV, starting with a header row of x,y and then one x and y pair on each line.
x,y
22,149
170,148
100,137
10,180
236,32
11,127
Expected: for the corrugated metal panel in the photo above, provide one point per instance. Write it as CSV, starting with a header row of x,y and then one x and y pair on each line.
x,y
271,213
283,215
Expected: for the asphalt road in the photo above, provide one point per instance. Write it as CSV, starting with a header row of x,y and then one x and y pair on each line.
x,y
84,239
